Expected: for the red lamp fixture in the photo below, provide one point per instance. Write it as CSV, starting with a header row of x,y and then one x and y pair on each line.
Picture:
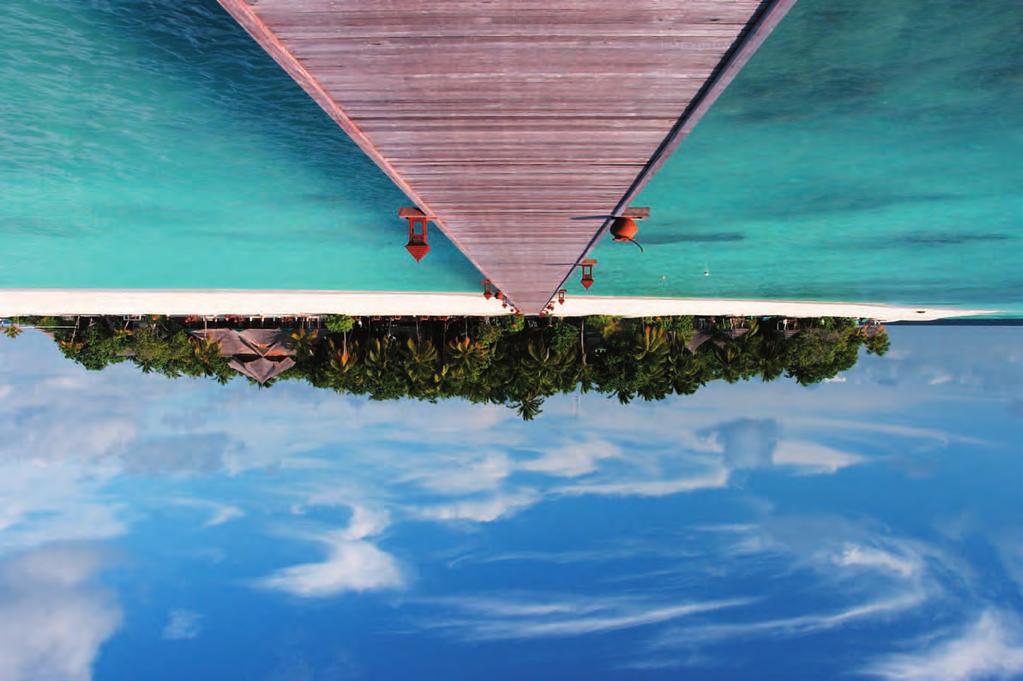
x,y
561,296
417,244
488,289
587,267
624,227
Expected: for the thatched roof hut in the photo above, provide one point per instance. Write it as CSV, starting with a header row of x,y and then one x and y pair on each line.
x,y
262,370
260,354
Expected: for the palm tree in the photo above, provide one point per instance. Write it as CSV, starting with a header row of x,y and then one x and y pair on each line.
x,y
421,366
529,407
304,341
205,350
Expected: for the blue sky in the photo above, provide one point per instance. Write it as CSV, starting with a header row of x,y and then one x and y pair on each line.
x,y
868,527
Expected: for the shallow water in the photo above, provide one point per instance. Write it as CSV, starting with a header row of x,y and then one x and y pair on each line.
x,y
154,144
869,152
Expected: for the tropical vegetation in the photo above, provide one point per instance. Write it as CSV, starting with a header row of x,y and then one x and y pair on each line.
x,y
508,360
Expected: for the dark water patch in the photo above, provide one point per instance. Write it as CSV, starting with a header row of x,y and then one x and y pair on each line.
x,y
949,239
663,239
933,239
837,198
36,226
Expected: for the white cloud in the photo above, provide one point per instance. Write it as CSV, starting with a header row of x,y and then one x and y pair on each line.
x,y
882,576
814,458
182,625
53,618
573,459
989,648
454,474
365,522
823,543
496,619
789,626
483,510
863,426
853,555
651,488
746,443
219,513
43,503
352,564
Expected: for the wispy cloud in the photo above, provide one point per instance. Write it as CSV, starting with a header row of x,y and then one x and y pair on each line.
x,y
989,648
219,513
572,459
182,625
352,563
502,618
814,458
853,555
788,626
883,577
714,479
454,474
481,510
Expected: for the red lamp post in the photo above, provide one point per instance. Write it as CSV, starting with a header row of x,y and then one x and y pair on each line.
x,y
417,244
587,267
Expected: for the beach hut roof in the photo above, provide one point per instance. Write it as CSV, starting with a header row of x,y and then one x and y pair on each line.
x,y
260,342
262,370
228,340
268,342
699,339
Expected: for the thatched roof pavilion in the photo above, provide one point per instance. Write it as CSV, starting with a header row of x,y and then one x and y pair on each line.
x,y
260,354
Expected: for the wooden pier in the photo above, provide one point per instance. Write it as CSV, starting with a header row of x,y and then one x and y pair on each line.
x,y
522,125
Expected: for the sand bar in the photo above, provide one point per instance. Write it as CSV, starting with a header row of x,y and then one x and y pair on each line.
x,y
27,302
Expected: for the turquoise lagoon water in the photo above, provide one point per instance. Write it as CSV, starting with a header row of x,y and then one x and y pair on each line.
x,y
154,144
870,151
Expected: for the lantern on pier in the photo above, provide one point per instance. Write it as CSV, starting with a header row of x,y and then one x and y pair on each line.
x,y
417,244
624,227
587,268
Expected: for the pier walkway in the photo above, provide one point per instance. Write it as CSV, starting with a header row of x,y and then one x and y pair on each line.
x,y
522,125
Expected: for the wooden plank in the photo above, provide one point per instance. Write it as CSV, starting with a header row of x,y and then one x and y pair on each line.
x,y
761,26
520,124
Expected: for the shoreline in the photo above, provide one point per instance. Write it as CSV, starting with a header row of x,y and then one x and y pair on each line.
x,y
282,303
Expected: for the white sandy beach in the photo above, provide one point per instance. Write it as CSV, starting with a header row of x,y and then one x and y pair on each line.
x,y
27,302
